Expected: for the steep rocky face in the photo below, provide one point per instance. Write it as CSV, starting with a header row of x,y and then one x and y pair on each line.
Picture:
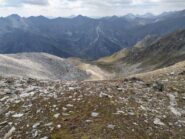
x,y
130,108
82,36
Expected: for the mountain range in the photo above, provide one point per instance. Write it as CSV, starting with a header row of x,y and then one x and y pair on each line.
x,y
81,36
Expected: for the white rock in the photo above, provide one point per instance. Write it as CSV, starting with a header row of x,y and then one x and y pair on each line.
x,y
175,111
143,108
131,113
65,114
157,121
35,125
17,115
119,112
10,132
173,104
44,137
17,101
64,109
111,126
10,123
49,124
38,111
180,121
59,126
103,95
71,88
120,89
23,95
57,115
69,105
35,134
172,73
4,98
88,121
172,100
94,114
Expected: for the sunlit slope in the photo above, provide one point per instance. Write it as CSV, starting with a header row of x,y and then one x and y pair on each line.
x,y
39,65
159,53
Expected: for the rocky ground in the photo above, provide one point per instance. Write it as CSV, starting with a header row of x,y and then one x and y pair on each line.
x,y
131,108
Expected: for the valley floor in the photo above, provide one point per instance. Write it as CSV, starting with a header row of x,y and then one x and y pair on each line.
x,y
133,108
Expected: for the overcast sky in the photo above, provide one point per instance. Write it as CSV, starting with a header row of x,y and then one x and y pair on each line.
x,y
55,8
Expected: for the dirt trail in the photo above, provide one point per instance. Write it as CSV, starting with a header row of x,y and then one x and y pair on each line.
x,y
95,72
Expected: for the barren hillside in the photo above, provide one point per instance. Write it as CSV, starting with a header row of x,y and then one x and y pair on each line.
x,y
40,66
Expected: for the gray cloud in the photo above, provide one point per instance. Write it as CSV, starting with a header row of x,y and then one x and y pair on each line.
x,y
121,4
36,2
89,7
21,2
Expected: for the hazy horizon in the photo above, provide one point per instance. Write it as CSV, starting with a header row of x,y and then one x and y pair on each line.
x,y
66,8
72,16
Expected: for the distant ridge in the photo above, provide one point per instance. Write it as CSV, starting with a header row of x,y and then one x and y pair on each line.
x,y
82,36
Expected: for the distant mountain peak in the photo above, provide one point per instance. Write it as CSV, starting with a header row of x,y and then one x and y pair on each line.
x,y
14,16
114,16
40,18
148,15
80,16
130,16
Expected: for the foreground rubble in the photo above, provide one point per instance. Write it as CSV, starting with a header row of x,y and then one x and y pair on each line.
x,y
124,109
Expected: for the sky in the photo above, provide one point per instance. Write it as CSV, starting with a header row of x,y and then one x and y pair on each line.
x,y
91,8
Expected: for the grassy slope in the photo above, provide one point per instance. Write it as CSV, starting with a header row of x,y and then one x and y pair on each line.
x,y
159,53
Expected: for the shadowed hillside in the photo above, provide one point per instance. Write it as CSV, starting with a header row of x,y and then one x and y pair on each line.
x,y
159,53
